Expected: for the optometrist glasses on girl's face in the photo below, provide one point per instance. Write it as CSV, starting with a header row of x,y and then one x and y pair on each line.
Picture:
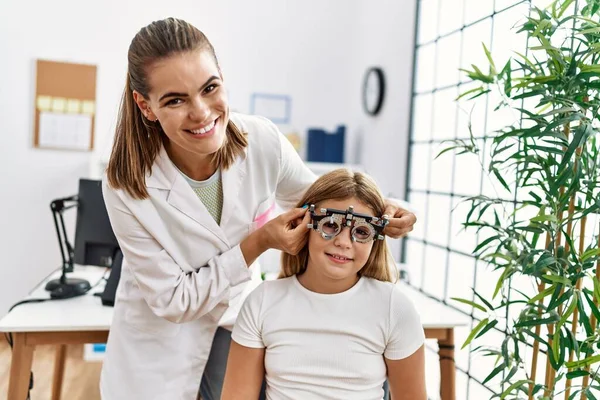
x,y
363,228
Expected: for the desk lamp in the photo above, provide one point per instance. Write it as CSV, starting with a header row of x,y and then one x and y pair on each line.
x,y
64,287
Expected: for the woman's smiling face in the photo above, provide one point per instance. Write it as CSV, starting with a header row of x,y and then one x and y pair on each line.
x,y
189,100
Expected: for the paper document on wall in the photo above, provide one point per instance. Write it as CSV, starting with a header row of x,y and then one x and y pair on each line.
x,y
65,131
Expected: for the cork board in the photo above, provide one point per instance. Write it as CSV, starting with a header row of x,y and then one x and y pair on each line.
x,y
65,106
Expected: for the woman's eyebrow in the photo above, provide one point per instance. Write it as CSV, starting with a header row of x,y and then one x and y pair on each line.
x,y
176,94
171,94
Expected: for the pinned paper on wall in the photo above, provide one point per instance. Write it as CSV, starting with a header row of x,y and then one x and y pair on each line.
x,y
275,107
44,103
88,107
65,131
59,104
65,106
73,106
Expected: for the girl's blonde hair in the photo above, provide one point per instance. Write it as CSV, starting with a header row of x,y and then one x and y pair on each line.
x,y
341,184
137,140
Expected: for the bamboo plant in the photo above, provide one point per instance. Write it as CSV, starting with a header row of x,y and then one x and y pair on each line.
x,y
547,233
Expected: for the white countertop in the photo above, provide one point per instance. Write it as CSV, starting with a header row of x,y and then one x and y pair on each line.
x,y
83,313
86,313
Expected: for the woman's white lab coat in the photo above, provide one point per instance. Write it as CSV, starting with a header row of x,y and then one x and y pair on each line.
x,y
182,272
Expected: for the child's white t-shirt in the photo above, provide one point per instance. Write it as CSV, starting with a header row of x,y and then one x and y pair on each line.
x,y
328,346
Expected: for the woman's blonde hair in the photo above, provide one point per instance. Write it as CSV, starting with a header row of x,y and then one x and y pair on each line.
x,y
341,184
137,140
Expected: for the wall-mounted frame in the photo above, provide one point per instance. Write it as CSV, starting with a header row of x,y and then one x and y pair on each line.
x,y
275,107
65,106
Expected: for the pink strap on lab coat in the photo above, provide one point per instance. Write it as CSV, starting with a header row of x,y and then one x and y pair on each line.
x,y
264,217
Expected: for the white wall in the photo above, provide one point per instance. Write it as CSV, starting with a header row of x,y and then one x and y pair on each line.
x,y
313,50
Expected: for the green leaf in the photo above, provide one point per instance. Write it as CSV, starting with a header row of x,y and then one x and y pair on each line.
x,y
590,394
564,7
479,326
468,92
583,317
536,322
577,373
497,255
563,177
531,93
580,134
590,30
596,289
544,261
510,374
495,372
528,62
571,342
501,179
589,254
506,71
537,338
544,218
557,279
513,387
447,149
542,294
487,328
534,239
553,361
469,302
487,303
491,61
547,149
536,197
561,122
593,306
559,298
507,272
504,348
557,346
485,242
567,313
529,229
561,110
586,362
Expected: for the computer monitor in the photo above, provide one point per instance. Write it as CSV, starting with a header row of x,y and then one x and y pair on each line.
x,y
95,242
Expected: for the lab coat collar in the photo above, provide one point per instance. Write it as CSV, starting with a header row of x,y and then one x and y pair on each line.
x,y
165,176
163,172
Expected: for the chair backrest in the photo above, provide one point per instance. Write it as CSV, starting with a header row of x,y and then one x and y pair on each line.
x,y
110,290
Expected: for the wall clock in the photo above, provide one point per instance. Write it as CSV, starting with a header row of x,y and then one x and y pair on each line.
x,y
373,90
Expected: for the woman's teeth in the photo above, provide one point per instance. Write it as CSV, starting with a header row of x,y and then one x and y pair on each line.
x,y
207,128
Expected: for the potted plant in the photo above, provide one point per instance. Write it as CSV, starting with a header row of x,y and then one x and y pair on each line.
x,y
544,234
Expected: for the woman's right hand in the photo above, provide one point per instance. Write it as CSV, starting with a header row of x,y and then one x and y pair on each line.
x,y
288,232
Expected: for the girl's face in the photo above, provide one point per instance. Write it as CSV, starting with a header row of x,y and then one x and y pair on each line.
x,y
339,258
188,98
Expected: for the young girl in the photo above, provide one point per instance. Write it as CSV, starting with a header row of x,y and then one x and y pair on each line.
x,y
334,326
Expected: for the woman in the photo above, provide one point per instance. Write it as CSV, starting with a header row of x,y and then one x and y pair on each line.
x,y
189,190
334,326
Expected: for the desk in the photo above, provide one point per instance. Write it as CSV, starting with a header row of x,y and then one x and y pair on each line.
x,y
71,321
439,322
84,320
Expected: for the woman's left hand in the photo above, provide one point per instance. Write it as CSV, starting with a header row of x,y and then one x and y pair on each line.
x,y
401,220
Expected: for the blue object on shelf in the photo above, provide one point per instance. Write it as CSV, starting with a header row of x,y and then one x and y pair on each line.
x,y
326,146
99,347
